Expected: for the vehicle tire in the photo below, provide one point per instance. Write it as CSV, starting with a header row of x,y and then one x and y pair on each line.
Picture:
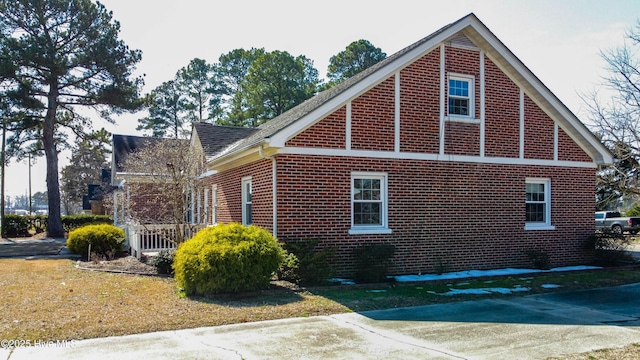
x,y
616,229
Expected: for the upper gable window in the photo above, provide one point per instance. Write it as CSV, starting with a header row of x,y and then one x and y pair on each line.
x,y
461,96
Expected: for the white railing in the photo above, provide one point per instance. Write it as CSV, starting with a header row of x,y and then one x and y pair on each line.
x,y
157,237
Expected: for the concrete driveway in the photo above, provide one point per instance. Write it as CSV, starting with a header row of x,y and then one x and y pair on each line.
x,y
519,327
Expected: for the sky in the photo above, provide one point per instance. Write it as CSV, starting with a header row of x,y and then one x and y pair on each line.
x,y
560,41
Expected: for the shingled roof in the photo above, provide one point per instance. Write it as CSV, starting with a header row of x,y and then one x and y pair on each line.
x,y
123,145
215,138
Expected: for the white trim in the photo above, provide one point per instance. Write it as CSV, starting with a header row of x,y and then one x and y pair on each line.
x,y
246,180
198,219
432,157
206,207
348,127
206,174
396,146
214,204
546,225
443,87
383,227
274,179
463,119
471,81
521,152
555,141
482,103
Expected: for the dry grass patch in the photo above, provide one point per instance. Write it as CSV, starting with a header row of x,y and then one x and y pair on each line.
x,y
52,300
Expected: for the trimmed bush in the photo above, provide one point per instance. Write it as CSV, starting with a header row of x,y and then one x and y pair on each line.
x,y
372,262
16,225
306,263
227,258
104,239
71,222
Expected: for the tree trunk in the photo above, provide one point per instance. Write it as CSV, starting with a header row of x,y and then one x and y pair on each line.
x,y
54,222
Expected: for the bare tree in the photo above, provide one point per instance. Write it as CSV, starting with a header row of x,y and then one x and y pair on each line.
x,y
162,179
616,121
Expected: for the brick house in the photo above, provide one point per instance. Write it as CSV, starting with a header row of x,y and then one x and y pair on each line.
x,y
450,149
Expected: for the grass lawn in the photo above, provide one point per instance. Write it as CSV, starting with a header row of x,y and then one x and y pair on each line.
x,y
52,300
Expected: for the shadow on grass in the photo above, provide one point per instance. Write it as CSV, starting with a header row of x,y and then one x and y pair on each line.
x,y
278,293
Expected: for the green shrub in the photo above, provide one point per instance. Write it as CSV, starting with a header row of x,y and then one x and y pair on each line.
x,y
306,264
16,225
71,222
163,262
103,238
372,262
227,258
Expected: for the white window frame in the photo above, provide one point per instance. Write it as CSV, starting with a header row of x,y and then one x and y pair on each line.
x,y
546,224
383,227
247,218
471,80
206,208
214,204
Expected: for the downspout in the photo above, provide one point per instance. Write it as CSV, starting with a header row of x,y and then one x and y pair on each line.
x,y
274,180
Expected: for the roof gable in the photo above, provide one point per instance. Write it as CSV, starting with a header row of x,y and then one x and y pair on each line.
x,y
466,32
215,139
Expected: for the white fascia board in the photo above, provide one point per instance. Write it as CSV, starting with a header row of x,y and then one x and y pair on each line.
x,y
206,174
433,157
280,138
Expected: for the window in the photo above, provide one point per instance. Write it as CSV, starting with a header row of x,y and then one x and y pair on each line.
x,y
214,204
538,204
368,203
246,201
461,96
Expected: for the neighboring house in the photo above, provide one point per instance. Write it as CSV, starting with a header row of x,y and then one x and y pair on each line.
x,y
450,149
93,201
148,202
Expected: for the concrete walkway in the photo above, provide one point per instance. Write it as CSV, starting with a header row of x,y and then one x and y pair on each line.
x,y
527,327
51,248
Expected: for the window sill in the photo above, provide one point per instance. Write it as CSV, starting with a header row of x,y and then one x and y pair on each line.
x,y
539,227
462,119
362,231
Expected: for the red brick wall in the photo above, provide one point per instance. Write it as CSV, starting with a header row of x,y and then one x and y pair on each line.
x,y
502,113
465,215
538,132
373,119
568,150
420,105
461,138
327,133
230,193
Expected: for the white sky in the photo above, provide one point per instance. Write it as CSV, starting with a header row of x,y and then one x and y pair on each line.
x,y
559,40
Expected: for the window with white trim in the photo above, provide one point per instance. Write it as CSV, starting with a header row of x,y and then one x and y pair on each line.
x,y
214,204
206,209
538,204
247,194
461,97
369,203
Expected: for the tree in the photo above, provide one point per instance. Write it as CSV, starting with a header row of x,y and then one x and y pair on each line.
x,y
357,56
197,84
169,169
167,116
276,82
88,159
231,71
617,123
67,56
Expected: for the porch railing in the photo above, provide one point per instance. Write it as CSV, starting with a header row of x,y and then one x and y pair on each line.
x,y
157,237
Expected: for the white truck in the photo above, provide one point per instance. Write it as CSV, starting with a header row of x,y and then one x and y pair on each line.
x,y
612,221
